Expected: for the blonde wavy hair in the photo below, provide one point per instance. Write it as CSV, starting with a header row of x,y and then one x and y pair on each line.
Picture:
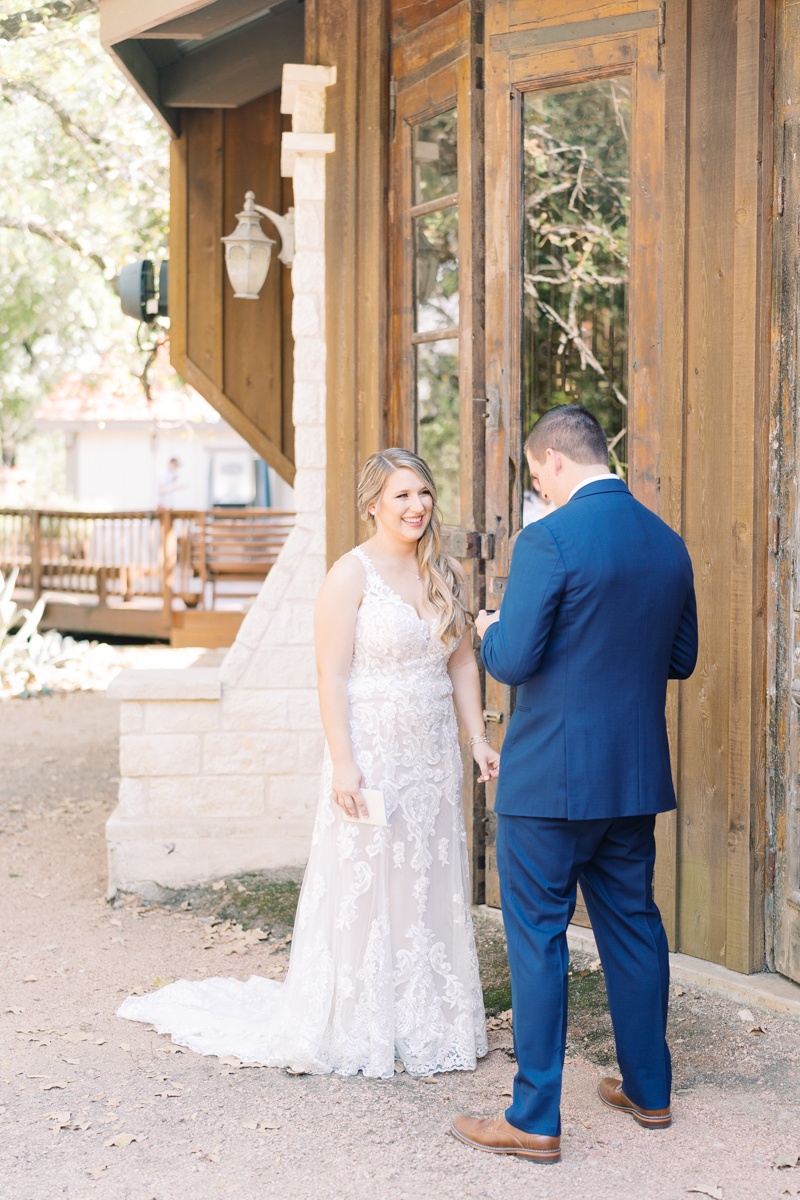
x,y
442,587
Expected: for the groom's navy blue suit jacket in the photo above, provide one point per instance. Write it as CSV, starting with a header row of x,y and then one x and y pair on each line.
x,y
598,614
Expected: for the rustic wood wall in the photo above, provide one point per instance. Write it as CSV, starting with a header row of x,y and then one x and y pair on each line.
x,y
783,690
710,476
721,726
237,353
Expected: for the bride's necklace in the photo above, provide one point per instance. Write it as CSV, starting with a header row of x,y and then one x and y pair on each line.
x,y
410,571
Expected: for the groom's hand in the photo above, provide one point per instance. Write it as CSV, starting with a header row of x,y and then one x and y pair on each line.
x,y
484,620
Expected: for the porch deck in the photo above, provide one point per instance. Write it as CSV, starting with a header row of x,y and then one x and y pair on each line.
x,y
182,576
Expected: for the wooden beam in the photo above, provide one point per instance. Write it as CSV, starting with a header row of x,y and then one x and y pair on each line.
x,y
672,406
238,421
178,254
338,30
748,544
209,21
141,73
239,68
372,225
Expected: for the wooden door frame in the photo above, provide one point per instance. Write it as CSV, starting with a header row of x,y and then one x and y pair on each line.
x,y
435,68
517,62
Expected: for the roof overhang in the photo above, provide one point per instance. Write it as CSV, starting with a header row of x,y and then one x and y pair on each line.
x,y
201,54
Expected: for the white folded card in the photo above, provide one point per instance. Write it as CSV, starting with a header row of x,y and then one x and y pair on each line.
x,y
376,807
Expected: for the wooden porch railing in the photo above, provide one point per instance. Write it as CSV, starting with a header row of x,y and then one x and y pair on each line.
x,y
117,559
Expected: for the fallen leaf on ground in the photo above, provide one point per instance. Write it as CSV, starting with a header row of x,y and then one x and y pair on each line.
x,y
15,1011
218,886
249,1124
100,1041
95,1172
744,1014
230,1061
125,1046
30,979
707,1189
786,1160
62,1118
679,991
428,1079
73,1062
507,1092
159,982
758,1029
398,1068
46,1087
122,1140
210,1155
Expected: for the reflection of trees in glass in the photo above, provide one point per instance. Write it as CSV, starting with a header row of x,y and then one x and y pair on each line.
x,y
437,421
435,158
437,269
577,254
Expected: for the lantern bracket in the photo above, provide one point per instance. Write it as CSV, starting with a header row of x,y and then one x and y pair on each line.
x,y
285,228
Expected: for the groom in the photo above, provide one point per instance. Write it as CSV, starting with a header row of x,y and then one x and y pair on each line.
x,y
599,613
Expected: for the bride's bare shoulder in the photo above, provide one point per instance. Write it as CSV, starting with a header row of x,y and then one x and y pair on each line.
x,y
345,580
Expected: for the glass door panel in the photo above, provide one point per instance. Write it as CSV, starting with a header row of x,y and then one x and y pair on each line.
x,y
574,154
576,253
434,219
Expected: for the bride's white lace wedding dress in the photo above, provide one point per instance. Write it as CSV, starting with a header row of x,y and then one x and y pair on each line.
x,y
383,963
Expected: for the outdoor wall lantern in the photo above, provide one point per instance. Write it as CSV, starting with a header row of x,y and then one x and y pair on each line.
x,y
248,250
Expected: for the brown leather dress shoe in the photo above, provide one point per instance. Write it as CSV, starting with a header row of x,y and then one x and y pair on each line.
x,y
610,1092
495,1135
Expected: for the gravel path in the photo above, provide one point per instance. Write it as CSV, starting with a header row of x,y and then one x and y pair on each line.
x,y
75,1080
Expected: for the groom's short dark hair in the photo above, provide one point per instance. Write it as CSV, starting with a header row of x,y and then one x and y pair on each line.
x,y
571,430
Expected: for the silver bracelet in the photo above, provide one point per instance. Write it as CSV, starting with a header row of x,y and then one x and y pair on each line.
x,y
479,737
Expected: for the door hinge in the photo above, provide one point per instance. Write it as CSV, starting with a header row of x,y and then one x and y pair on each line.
x,y
392,108
781,197
467,543
478,74
492,716
662,34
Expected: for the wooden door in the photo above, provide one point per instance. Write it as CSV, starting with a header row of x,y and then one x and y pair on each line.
x,y
574,200
783,850
436,397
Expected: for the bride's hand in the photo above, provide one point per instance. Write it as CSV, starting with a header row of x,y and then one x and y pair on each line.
x,y
488,760
346,789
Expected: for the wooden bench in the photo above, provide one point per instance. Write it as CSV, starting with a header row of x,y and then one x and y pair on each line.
x,y
239,546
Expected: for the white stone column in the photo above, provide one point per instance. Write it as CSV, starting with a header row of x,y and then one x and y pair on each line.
x,y
234,786
269,677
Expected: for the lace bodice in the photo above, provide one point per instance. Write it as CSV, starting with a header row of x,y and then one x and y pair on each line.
x,y
383,960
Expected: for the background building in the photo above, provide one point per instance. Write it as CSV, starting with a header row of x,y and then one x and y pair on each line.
x,y
500,206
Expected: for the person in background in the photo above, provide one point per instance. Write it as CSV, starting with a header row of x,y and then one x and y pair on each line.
x,y
169,484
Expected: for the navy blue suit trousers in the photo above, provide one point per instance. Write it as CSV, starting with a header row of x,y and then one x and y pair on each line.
x,y
540,861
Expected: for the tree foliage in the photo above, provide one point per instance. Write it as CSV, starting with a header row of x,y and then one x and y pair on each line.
x,y
84,188
577,252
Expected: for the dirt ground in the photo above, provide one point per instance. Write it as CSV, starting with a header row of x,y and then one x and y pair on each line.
x,y
94,1107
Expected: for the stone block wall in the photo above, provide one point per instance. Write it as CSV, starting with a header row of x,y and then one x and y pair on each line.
x,y
220,769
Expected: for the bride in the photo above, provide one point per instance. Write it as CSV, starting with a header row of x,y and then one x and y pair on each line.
x,y
383,962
